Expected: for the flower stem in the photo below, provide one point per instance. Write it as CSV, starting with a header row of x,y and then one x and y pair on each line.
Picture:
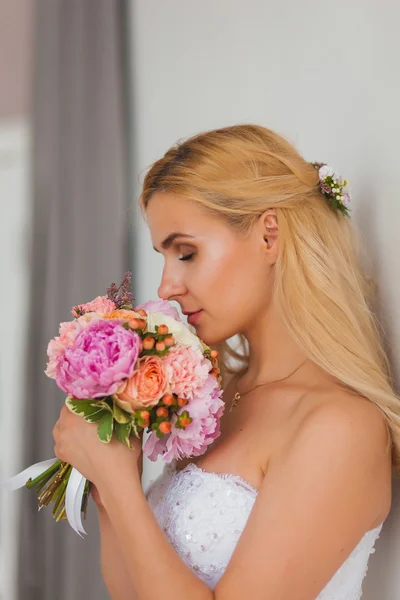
x,y
51,486
85,498
60,493
62,515
47,494
46,475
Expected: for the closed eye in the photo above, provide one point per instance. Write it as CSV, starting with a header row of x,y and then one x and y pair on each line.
x,y
187,257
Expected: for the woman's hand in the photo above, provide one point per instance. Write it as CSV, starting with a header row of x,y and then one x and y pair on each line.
x,y
77,443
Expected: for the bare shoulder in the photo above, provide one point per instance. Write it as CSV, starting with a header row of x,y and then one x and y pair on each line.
x,y
342,409
356,430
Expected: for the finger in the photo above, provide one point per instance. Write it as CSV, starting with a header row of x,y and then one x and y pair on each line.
x,y
56,429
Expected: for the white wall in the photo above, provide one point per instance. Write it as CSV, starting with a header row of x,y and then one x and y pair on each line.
x,y
15,217
324,74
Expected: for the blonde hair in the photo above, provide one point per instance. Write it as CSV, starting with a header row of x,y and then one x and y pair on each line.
x,y
325,300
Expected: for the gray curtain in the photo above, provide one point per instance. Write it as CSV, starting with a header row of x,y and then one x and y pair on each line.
x,y
80,245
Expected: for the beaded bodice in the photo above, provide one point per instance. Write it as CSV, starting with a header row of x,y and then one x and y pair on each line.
x,y
203,515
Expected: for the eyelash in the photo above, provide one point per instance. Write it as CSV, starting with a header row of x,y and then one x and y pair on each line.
x,y
187,257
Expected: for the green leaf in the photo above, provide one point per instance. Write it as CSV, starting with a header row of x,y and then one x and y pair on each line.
x,y
105,427
91,410
123,431
134,428
85,407
162,353
97,416
150,334
151,352
121,416
106,404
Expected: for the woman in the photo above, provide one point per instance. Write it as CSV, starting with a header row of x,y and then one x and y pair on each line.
x,y
288,502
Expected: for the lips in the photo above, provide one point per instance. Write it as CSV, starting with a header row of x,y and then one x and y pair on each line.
x,y
192,317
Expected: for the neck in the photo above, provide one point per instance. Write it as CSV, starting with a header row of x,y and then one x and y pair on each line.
x,y
273,354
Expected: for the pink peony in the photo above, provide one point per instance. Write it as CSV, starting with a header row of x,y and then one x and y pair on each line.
x,y
103,354
145,387
100,305
206,409
161,306
68,332
187,370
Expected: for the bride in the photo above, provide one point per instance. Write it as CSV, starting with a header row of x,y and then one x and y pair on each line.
x,y
289,500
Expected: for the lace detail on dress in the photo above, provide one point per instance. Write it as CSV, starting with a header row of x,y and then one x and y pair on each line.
x,y
203,515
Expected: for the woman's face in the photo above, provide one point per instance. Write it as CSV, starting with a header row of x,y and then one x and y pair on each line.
x,y
214,269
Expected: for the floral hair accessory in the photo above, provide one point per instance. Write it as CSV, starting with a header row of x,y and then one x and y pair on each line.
x,y
333,187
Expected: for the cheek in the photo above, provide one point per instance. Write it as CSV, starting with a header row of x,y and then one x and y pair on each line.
x,y
233,286
239,280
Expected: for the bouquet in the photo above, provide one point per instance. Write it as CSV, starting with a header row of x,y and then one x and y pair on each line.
x,y
128,369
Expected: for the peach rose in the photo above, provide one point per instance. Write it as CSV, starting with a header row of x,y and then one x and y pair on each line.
x,y
145,387
121,313
126,315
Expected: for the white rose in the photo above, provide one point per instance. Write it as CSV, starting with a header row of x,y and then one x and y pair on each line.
x,y
178,329
325,171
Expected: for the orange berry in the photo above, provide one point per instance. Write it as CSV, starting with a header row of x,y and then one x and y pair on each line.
x,y
162,412
214,353
185,422
165,427
145,415
135,323
148,342
160,346
168,399
214,372
141,312
163,329
169,341
182,401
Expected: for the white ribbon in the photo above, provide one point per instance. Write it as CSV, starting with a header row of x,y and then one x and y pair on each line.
x,y
73,495
73,500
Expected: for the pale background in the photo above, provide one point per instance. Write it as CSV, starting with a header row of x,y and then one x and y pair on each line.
x,y
324,74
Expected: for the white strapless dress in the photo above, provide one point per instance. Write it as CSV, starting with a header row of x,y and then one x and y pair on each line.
x,y
203,515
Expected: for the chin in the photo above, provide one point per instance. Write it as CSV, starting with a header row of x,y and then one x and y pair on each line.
x,y
209,335
211,339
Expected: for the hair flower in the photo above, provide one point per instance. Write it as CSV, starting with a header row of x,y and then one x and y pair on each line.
x,y
333,187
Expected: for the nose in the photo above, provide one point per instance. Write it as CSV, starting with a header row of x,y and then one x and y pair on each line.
x,y
170,287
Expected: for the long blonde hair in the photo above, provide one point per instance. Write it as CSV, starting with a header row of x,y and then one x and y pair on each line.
x,y
325,300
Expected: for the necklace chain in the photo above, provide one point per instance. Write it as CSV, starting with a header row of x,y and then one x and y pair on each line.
x,y
237,396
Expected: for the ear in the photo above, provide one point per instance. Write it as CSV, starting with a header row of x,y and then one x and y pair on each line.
x,y
270,232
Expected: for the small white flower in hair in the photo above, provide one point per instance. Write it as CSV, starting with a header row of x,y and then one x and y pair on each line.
x,y
333,187
325,171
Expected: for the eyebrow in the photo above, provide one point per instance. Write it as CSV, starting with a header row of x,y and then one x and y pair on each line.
x,y
170,239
